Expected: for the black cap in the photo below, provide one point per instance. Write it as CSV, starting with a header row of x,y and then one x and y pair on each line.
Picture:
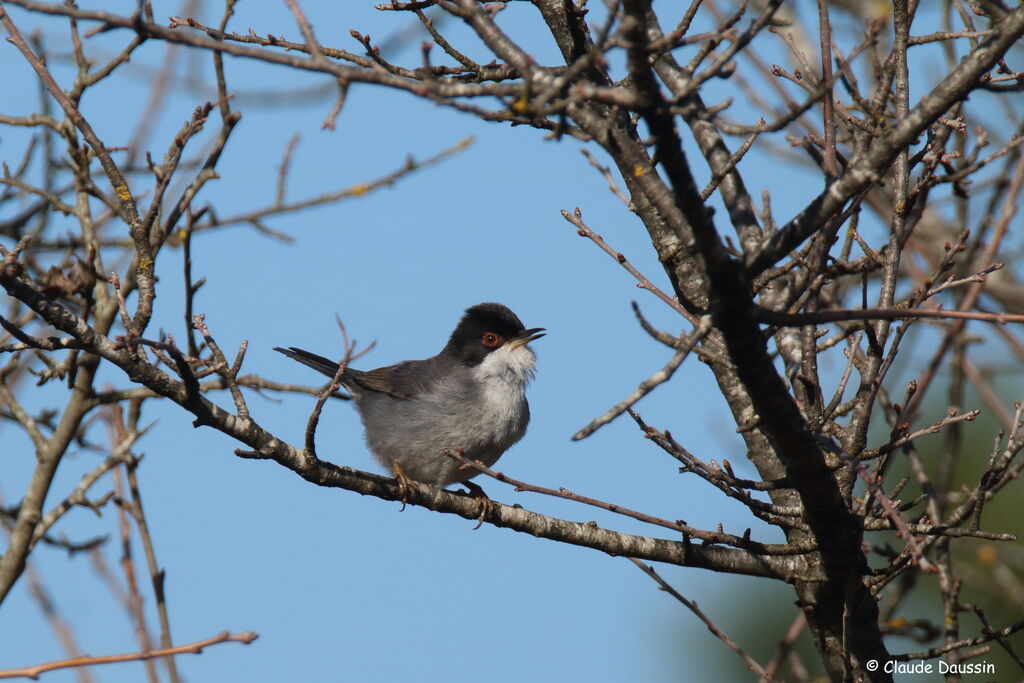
x,y
484,328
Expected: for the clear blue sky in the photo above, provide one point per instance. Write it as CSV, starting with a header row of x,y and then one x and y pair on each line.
x,y
342,587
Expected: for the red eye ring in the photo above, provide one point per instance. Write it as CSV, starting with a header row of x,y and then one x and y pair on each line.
x,y
491,340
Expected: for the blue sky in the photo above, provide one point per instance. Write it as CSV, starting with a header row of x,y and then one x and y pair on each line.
x,y
342,587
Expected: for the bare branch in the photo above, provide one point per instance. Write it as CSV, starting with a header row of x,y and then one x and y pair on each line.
x,y
196,648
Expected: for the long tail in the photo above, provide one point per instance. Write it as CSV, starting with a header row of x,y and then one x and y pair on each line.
x,y
318,363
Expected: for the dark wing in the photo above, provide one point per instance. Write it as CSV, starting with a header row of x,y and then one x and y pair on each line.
x,y
404,380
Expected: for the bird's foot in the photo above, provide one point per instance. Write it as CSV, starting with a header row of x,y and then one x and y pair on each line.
x,y
485,504
405,484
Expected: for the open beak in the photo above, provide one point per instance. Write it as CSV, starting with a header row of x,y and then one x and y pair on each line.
x,y
525,337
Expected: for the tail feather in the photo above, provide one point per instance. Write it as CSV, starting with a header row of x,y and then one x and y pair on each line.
x,y
322,365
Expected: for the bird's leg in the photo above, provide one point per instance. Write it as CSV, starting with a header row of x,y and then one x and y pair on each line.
x,y
405,484
486,505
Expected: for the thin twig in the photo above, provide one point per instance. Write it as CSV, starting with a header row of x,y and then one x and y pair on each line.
x,y
649,384
576,218
687,530
828,106
33,672
715,630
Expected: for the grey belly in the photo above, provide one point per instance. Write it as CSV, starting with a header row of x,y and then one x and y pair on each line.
x,y
416,433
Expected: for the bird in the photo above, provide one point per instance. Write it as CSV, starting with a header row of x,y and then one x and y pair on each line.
x,y
469,399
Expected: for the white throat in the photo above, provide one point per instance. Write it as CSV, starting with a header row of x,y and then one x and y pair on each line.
x,y
507,370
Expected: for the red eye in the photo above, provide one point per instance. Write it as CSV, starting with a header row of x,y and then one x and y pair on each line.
x,y
491,340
